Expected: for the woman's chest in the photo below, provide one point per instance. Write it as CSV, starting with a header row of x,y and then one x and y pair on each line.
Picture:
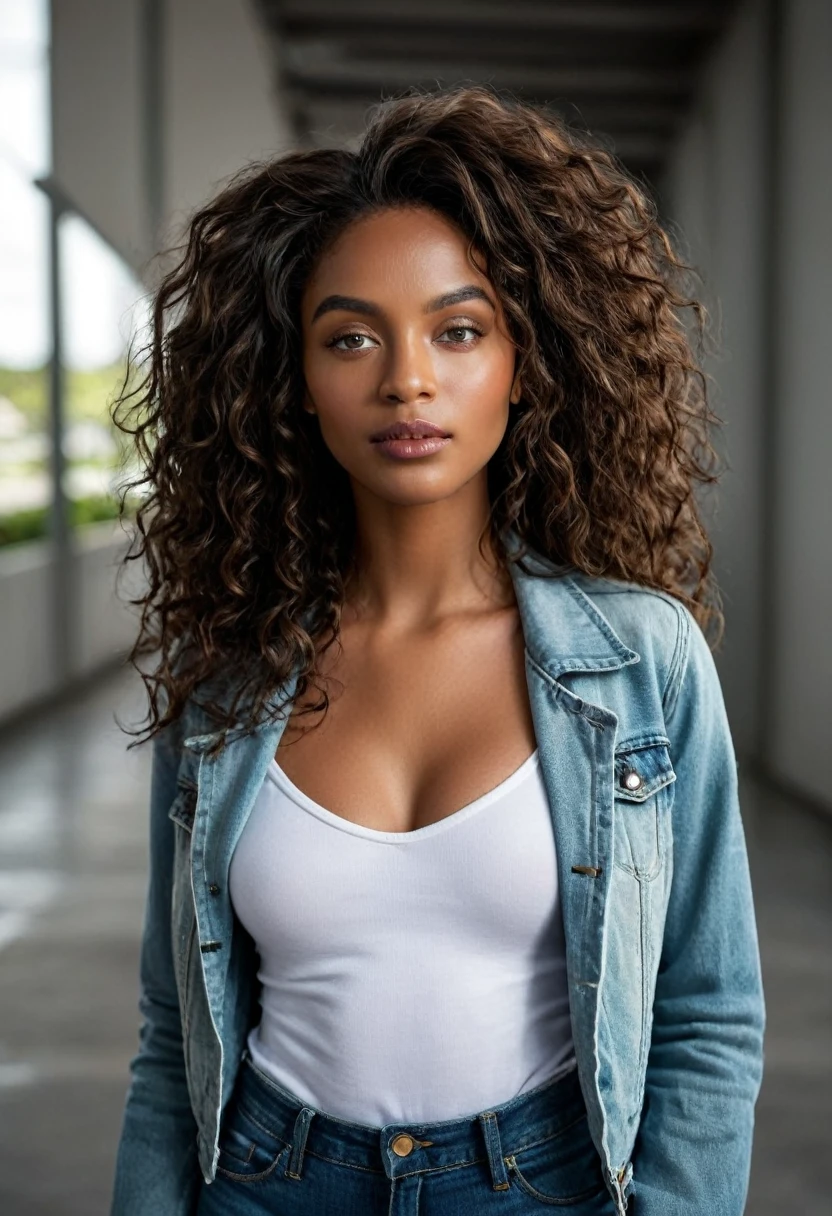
x,y
414,732
317,889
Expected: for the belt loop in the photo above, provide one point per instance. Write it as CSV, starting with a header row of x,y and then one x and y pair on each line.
x,y
491,1135
299,1135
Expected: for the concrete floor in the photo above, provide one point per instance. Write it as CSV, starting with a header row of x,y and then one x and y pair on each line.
x,y
73,805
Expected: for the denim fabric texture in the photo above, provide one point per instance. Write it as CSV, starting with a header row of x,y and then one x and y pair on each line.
x,y
662,955
278,1155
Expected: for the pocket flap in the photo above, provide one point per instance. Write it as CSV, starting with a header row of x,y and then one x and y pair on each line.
x,y
183,807
642,768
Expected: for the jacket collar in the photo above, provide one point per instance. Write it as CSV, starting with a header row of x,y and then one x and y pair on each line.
x,y
563,629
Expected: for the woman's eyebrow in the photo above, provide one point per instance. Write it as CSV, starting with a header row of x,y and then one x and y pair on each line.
x,y
469,292
345,304
355,304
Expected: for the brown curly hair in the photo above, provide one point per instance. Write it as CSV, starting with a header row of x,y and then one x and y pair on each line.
x,y
246,525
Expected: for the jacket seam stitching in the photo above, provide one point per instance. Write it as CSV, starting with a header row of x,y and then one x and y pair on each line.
x,y
678,664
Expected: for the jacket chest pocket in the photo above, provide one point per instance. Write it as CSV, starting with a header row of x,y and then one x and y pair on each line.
x,y
183,916
643,793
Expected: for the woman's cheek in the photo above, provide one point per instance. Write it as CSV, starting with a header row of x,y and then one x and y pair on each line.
x,y
483,385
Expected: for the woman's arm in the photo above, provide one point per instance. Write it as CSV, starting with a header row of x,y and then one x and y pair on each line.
x,y
157,1173
693,1152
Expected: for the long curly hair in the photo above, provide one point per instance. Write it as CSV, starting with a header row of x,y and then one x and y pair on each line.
x,y
246,522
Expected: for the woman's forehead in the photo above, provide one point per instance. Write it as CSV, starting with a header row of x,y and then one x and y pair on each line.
x,y
413,250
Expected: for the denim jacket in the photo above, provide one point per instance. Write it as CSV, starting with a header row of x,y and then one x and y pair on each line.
x,y
662,956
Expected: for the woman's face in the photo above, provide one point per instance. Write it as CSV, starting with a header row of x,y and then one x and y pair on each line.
x,y
398,326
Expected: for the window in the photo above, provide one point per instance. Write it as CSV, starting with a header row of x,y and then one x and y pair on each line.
x,y
102,306
25,337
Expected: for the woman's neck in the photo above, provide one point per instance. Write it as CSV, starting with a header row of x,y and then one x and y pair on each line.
x,y
419,566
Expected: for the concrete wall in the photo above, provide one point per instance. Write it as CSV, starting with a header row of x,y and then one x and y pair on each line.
x,y
106,624
154,103
221,104
97,117
801,710
27,661
748,186
714,185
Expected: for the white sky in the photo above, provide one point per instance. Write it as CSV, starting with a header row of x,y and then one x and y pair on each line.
x,y
102,300
98,291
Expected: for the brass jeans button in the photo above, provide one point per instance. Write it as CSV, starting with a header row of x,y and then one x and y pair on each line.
x,y
402,1145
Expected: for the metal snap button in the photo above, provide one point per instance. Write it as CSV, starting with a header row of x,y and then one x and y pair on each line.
x,y
402,1145
633,780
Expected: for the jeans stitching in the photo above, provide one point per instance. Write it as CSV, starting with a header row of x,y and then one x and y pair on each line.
x,y
539,1195
255,1177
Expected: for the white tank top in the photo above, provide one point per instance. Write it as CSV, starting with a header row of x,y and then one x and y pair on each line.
x,y
406,976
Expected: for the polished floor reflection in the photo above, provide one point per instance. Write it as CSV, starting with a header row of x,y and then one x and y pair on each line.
x,y
73,806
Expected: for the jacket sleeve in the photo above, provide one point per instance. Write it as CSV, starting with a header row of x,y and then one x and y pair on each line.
x,y
692,1155
157,1171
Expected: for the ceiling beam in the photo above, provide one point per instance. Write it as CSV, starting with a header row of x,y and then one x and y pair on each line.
x,y
592,114
322,71
328,122
518,51
330,17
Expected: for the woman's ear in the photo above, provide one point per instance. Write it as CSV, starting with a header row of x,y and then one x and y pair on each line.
x,y
516,392
307,402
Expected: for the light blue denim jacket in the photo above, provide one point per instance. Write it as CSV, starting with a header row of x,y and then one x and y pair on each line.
x,y
662,955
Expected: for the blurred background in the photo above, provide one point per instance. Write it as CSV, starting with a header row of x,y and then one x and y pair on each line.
x,y
117,117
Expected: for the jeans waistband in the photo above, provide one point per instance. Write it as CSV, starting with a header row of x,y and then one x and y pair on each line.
x,y
401,1149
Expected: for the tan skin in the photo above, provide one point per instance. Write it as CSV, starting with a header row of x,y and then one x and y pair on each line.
x,y
429,704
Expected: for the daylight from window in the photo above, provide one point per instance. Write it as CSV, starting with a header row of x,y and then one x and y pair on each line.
x,y
101,305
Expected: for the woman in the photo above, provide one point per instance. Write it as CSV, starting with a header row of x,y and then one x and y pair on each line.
x,y
449,907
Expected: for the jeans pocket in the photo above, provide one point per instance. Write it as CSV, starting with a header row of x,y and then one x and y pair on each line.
x,y
561,1170
249,1152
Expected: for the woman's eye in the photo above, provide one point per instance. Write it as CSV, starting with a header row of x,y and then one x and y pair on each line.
x,y
461,334
351,342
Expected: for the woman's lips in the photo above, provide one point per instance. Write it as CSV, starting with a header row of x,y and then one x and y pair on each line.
x,y
408,449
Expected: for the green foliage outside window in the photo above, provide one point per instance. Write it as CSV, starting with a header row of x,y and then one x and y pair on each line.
x,y
87,395
33,523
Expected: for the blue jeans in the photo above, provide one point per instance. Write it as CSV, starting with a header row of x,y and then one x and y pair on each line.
x,y
281,1157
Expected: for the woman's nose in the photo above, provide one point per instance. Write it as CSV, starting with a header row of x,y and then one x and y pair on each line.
x,y
408,373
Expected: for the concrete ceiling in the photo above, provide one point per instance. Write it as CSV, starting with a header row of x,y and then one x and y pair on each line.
x,y
625,71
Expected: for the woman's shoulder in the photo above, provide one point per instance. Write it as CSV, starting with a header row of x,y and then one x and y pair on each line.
x,y
640,617
657,625
635,606
645,607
